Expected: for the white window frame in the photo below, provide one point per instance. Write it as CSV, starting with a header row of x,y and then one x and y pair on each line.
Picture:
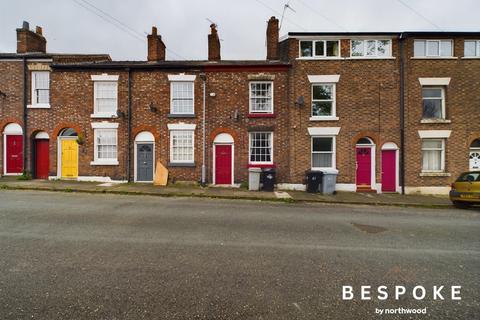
x,y
442,156
376,56
314,50
250,110
34,104
477,48
104,78
250,148
333,152
172,83
427,53
333,115
172,132
97,127
442,88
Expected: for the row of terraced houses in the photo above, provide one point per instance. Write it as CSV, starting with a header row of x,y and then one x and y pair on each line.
x,y
386,111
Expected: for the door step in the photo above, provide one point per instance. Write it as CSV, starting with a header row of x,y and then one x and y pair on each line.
x,y
366,190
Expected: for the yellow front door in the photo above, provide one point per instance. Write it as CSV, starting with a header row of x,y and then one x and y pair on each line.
x,y
69,159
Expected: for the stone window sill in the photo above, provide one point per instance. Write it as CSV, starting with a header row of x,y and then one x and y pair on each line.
x,y
434,58
38,106
324,118
103,116
434,174
370,58
435,121
320,58
104,163
470,58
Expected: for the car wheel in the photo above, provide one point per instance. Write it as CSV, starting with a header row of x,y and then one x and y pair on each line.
x,y
461,204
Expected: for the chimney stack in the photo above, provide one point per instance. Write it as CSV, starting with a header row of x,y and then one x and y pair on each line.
x,y
156,47
213,44
29,41
272,39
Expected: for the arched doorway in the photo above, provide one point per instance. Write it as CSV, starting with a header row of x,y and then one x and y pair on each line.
x,y
389,167
12,149
144,156
41,155
67,154
474,157
365,164
223,159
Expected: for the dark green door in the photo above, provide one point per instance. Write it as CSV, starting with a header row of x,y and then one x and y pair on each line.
x,y
144,162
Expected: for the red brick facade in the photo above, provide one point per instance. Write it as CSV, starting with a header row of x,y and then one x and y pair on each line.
x,y
368,103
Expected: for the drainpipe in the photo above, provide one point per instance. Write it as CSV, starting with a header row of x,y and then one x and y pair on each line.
x,y
204,169
25,117
402,112
129,123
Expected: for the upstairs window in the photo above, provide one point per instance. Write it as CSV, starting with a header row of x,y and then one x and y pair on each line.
x,y
320,48
182,98
261,149
261,97
323,100
433,48
371,48
433,102
472,48
105,96
40,88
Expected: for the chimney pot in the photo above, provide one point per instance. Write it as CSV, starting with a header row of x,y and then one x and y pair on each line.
x,y
25,25
213,44
38,30
154,30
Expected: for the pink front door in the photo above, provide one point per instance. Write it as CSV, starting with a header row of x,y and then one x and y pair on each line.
x,y
223,164
388,170
364,166
14,154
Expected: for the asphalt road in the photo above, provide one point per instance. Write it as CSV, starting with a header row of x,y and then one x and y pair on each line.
x,y
79,256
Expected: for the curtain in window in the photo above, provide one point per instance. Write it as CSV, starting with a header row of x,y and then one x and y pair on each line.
x,y
106,144
41,92
432,155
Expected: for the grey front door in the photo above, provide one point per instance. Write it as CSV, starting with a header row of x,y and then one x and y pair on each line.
x,y
144,162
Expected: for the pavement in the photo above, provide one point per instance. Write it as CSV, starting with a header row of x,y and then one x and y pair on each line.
x,y
190,190
105,256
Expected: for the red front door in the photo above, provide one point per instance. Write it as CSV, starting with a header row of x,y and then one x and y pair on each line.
x,y
388,170
223,164
41,159
364,166
14,154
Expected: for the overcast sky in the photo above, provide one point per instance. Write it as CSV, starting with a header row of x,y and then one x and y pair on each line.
x,y
72,28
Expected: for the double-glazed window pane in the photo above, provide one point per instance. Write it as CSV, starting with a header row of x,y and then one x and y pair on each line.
x,y
322,152
371,48
106,97
306,48
41,87
319,48
433,48
106,144
322,100
260,147
432,103
472,48
182,97
261,97
182,146
432,151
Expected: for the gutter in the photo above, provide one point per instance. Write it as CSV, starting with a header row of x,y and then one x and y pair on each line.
x,y
402,111
204,169
25,116
129,124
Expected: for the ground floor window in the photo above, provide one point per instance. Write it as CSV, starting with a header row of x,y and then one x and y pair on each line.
x,y
105,145
261,146
323,152
181,146
433,154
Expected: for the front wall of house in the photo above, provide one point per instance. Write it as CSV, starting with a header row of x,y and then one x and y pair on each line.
x,y
367,100
462,108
